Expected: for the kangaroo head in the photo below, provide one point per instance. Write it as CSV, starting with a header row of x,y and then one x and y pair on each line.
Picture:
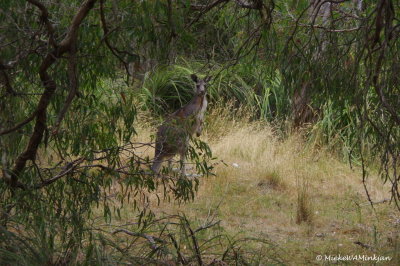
x,y
200,88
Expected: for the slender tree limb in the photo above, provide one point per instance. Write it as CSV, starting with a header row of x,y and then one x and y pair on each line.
x,y
207,7
6,81
151,239
249,4
19,125
45,19
106,32
76,22
378,88
209,225
330,30
50,87
195,243
181,257
73,91
69,168
318,5
241,3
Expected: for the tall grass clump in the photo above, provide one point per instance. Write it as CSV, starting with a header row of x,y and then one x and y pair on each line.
x,y
168,240
304,211
166,89
170,87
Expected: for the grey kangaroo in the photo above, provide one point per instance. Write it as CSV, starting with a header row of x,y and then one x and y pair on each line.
x,y
174,134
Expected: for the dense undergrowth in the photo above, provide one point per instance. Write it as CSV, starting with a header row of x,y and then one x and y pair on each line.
x,y
263,95
303,119
258,160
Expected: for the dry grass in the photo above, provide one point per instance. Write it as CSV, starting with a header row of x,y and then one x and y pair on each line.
x,y
303,199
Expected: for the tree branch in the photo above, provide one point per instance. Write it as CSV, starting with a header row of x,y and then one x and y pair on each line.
x,y
73,91
50,87
67,169
205,8
106,32
6,81
378,87
330,30
151,239
45,19
249,4
18,126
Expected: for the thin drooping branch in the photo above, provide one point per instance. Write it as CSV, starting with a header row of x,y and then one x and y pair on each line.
x,y
45,19
73,83
384,20
76,22
40,125
330,30
207,7
241,3
194,241
379,91
69,168
19,125
181,257
106,32
6,81
151,239
49,89
81,164
249,4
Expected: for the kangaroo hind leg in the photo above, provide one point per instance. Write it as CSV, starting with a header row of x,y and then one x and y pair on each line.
x,y
158,161
156,164
183,163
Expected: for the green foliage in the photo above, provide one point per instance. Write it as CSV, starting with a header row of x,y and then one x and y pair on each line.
x,y
81,156
167,239
67,113
169,88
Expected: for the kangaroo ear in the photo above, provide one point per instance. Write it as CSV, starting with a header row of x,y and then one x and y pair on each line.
x,y
194,77
207,79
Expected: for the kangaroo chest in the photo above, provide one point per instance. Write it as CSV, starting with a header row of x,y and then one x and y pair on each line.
x,y
194,110
203,108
